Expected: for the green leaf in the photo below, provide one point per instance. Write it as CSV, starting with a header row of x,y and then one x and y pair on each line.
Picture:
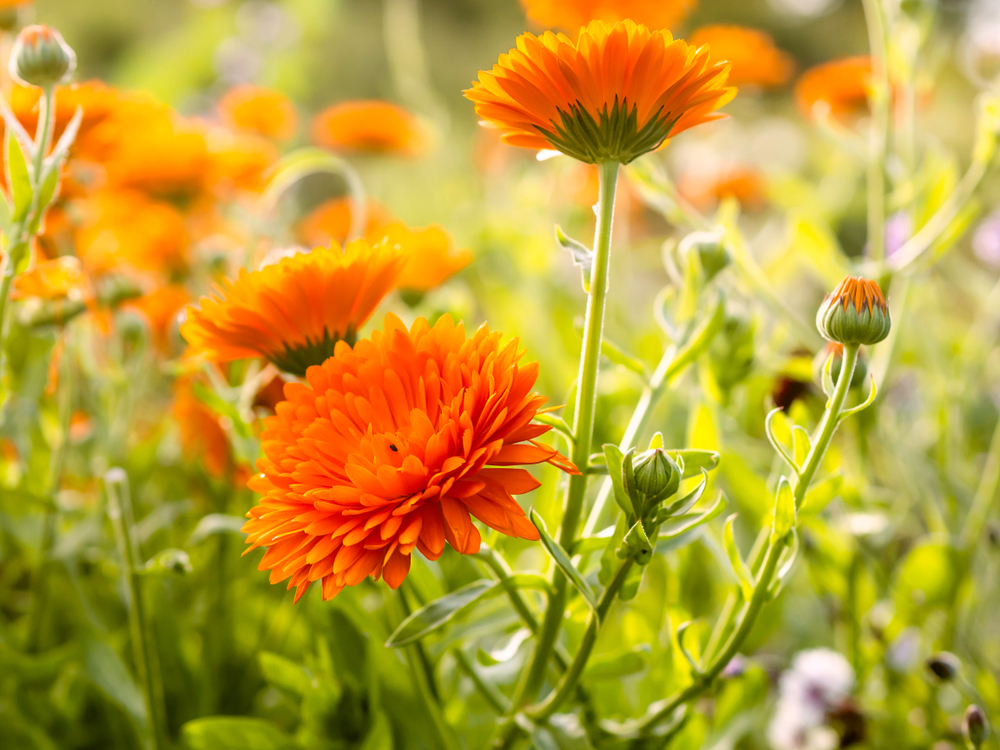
x,y
690,521
45,196
561,559
685,503
609,558
694,460
54,161
221,407
616,666
583,256
107,671
614,457
614,353
286,674
434,615
215,523
747,582
17,178
379,737
784,511
637,544
776,442
872,394
234,733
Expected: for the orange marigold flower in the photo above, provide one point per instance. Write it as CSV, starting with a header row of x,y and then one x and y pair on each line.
x,y
432,255
259,110
751,53
744,184
238,160
855,312
840,85
370,126
572,14
59,278
616,93
294,311
391,446
330,222
201,434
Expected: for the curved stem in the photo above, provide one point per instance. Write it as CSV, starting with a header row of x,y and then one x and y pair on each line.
x,y
583,428
880,97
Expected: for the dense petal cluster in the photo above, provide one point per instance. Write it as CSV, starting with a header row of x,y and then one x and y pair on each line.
x,y
751,54
393,446
294,311
840,85
572,14
617,92
369,126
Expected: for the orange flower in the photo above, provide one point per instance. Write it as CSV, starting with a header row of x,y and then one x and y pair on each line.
x,y
841,85
369,126
742,183
96,98
572,14
616,93
238,160
751,53
13,3
390,447
330,222
201,434
60,278
293,312
161,308
262,111
432,255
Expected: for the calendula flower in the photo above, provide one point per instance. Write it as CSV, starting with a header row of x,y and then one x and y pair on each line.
x,y
432,256
840,85
854,313
751,53
201,435
372,126
331,221
294,312
259,110
617,92
59,278
393,446
238,160
572,14
706,187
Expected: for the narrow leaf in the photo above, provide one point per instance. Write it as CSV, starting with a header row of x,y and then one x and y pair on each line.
x,y
693,461
747,582
434,615
583,256
234,733
691,521
861,407
561,559
784,511
685,503
17,178
614,458
776,443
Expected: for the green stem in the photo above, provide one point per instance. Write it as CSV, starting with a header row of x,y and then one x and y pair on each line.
x,y
583,428
879,99
43,135
120,511
493,696
761,592
986,494
569,680
417,648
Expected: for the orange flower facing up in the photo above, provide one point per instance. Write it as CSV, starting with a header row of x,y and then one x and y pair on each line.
x,y
751,53
841,86
262,111
393,446
60,278
616,93
432,256
369,127
572,14
293,312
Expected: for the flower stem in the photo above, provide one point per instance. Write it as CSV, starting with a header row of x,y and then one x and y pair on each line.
x,y
878,136
583,428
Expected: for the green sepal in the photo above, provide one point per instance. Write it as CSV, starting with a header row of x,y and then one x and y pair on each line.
x,y
743,573
615,459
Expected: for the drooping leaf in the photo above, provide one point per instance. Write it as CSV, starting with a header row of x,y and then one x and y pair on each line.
x,y
215,523
434,615
562,559
614,457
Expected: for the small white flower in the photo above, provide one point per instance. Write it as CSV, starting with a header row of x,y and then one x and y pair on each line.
x,y
817,684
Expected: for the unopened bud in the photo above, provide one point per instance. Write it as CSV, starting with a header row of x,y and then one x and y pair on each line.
x,y
656,474
976,726
709,249
40,57
944,665
854,313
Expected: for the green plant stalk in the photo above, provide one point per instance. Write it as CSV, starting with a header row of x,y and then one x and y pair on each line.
x,y
492,696
583,428
43,135
821,441
119,509
879,102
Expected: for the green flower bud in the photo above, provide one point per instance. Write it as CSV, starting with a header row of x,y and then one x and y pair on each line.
x,y
40,57
709,250
854,313
653,478
944,665
976,726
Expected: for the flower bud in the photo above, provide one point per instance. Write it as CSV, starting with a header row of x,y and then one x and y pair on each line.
x,y
709,250
976,726
655,476
854,313
40,57
944,665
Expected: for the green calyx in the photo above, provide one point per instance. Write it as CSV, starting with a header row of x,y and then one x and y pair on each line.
x,y
839,320
650,477
297,359
40,57
615,136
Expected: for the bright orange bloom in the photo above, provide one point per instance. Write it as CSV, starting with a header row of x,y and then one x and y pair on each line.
x,y
294,311
262,111
572,14
238,160
432,255
60,278
751,53
616,93
842,85
369,126
13,3
390,447
201,434
330,222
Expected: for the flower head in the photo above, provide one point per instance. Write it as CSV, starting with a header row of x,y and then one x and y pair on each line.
x,y
262,111
331,221
572,14
840,85
854,313
617,92
40,57
432,254
369,127
393,446
816,686
293,312
751,53
59,278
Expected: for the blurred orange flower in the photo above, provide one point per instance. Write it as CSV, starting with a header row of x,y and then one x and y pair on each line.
x,y
392,446
96,98
370,126
744,184
13,3
572,14
59,278
616,93
161,308
432,257
330,222
259,110
201,435
751,54
294,311
238,160
841,85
